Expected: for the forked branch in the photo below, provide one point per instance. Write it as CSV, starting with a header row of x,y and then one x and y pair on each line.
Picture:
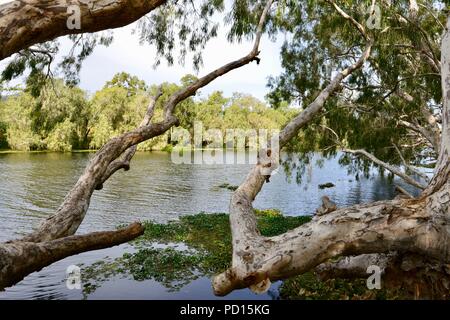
x,y
249,248
34,251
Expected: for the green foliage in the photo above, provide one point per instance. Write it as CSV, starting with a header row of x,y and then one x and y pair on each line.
x,y
56,120
271,222
62,118
3,126
366,113
318,42
3,137
36,61
17,114
168,266
210,234
132,84
309,287
82,47
228,186
60,138
182,26
207,249
179,252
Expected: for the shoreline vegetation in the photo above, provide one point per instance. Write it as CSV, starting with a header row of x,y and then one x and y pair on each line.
x,y
168,149
199,245
64,118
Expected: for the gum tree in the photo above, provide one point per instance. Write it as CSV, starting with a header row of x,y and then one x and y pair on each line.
x,y
413,231
54,239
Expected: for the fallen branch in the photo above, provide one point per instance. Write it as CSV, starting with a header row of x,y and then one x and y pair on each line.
x,y
404,192
409,167
18,258
381,227
25,23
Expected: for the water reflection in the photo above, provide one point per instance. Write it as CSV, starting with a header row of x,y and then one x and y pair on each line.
x,y
33,185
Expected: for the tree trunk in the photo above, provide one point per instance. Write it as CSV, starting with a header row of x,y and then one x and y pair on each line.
x,y
53,239
27,22
18,259
413,226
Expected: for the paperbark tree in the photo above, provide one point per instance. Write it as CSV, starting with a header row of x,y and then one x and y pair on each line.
x,y
54,239
28,22
417,227
411,226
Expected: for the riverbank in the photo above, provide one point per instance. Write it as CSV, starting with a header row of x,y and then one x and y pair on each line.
x,y
7,151
166,148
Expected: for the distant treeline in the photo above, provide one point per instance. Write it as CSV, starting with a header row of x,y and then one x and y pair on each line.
x,y
64,118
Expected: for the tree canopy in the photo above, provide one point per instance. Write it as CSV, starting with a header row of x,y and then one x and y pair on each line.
x,y
65,118
375,110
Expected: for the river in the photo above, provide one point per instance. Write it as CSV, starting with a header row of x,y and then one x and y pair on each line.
x,y
32,185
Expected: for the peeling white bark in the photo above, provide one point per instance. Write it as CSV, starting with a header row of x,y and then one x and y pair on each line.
x,y
34,251
442,169
27,22
420,226
248,246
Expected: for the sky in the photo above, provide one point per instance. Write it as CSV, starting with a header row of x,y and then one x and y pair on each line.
x,y
126,54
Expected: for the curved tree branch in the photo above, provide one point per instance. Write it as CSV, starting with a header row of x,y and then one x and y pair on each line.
x,y
18,259
408,226
64,223
442,169
380,227
72,211
389,167
28,22
124,161
245,234
430,135
346,16
409,167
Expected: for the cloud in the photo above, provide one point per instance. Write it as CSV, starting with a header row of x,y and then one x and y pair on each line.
x,y
126,54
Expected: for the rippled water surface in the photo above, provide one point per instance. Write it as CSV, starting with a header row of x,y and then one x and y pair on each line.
x,y
32,185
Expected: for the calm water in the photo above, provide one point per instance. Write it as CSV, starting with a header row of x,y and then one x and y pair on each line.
x,y
33,185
